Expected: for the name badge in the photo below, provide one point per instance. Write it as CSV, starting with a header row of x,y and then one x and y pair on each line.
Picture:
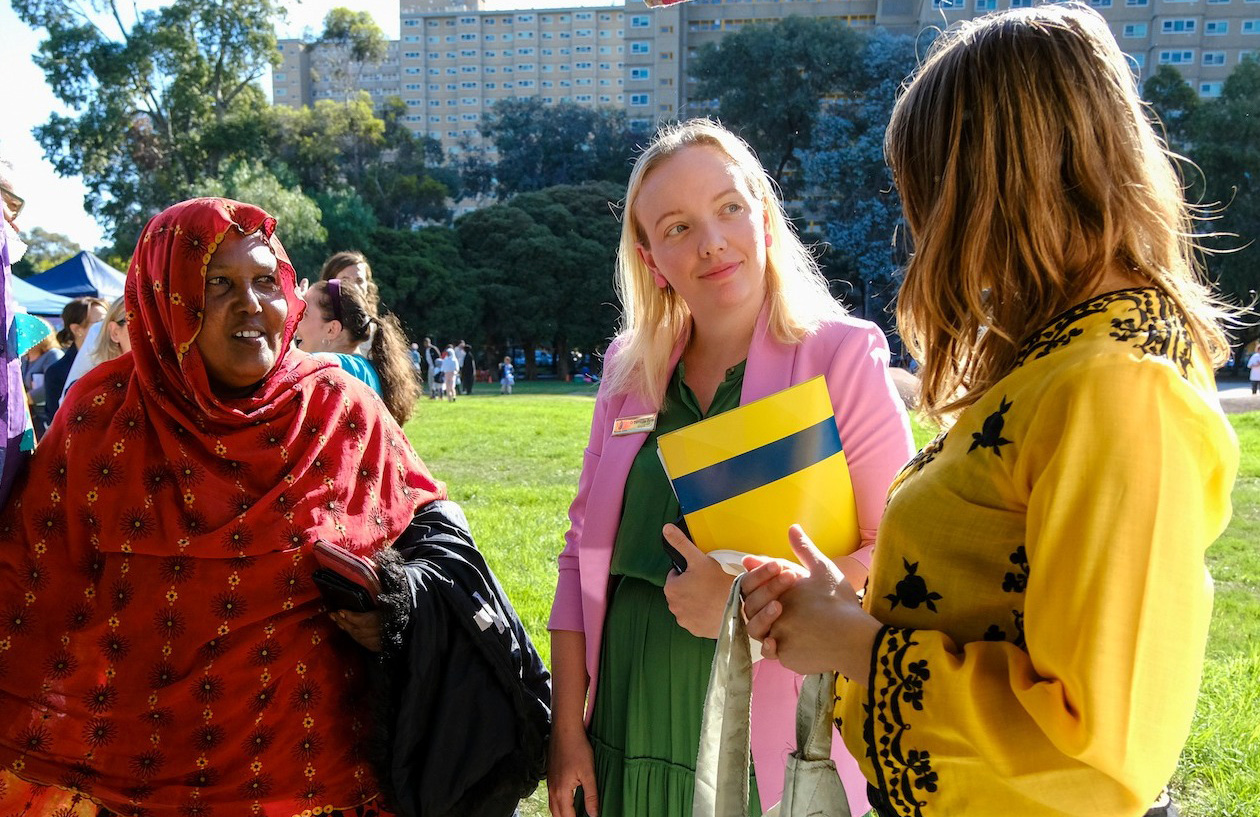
x,y
639,424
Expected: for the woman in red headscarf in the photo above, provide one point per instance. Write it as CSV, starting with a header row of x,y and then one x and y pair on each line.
x,y
162,648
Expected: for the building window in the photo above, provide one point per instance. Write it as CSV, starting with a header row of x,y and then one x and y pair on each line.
x,y
643,47
638,100
1178,26
1213,57
1134,30
640,73
1211,89
986,5
1176,57
947,4
1251,26
640,21
1215,28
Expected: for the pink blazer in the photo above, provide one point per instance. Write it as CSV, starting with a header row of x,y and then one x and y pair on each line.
x,y
875,433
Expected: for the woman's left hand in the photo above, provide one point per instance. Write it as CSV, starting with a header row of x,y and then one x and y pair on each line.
x,y
697,597
364,628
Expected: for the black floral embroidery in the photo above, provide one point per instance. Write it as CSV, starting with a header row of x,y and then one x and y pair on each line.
x,y
1155,328
904,774
912,591
1149,320
994,633
1018,617
1060,331
1017,582
927,453
990,434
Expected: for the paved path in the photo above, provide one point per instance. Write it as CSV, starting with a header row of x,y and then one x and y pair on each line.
x,y
1236,396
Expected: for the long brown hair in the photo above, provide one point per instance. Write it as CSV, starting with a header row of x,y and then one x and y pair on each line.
x,y
1028,169
388,350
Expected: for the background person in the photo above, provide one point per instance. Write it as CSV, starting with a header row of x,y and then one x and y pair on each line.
x,y
157,565
1032,635
105,340
1253,367
467,367
722,305
39,358
76,318
17,435
339,321
433,366
113,342
450,373
507,376
352,267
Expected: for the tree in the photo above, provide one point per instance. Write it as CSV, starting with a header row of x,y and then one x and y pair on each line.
x,y
769,81
400,183
46,249
586,231
545,145
426,282
1174,103
1225,144
355,41
850,184
161,99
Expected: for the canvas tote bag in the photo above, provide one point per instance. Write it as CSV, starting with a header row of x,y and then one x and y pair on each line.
x,y
811,787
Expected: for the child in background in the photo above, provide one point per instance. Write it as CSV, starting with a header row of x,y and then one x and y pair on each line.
x,y
506,376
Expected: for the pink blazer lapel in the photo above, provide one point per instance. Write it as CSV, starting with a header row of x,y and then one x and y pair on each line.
x,y
770,363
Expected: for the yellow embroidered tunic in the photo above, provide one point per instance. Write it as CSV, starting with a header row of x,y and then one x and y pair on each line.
x,y
1040,573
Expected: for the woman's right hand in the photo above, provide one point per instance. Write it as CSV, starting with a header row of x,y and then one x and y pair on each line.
x,y
571,763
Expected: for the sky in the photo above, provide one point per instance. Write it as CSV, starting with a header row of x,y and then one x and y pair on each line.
x,y
55,203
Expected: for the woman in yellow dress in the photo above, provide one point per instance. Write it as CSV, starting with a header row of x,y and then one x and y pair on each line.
x,y
1031,637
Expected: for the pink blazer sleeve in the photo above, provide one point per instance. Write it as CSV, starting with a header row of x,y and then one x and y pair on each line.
x,y
874,427
566,609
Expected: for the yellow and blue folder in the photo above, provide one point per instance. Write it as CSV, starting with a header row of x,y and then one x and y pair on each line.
x,y
743,477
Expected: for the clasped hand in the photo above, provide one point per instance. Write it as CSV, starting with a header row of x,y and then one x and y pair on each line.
x,y
807,616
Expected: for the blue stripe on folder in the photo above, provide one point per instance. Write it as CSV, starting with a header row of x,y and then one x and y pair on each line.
x,y
760,466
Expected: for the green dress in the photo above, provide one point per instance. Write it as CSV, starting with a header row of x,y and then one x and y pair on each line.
x,y
645,728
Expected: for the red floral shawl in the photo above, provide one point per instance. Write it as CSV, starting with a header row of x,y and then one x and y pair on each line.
x,y
162,648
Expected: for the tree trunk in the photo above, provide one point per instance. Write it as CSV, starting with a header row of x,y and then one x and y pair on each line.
x,y
561,359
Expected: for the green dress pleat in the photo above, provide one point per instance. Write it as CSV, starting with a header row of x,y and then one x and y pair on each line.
x,y
645,727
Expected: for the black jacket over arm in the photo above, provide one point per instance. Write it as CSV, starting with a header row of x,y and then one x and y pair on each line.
x,y
469,697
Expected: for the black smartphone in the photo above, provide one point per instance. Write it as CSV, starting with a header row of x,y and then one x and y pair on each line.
x,y
340,593
676,558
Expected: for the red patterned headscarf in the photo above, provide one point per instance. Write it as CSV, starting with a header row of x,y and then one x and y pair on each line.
x,y
162,648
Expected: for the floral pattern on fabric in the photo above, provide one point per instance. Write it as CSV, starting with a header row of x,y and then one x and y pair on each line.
x,y
905,772
162,648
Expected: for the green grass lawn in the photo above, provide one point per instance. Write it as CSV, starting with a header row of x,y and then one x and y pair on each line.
x,y
513,463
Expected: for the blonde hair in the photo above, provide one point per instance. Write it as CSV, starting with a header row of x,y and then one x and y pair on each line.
x,y
1028,170
654,320
107,348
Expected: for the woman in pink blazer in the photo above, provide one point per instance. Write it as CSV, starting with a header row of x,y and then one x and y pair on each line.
x,y
722,305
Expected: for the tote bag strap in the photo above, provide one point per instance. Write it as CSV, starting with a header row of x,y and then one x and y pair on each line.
x,y
725,746
815,715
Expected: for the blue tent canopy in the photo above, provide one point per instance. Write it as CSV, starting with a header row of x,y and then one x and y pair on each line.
x,y
85,274
36,300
